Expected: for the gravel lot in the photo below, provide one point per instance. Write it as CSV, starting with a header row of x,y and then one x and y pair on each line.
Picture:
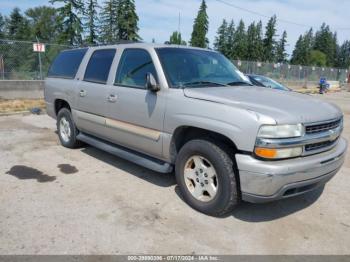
x,y
84,201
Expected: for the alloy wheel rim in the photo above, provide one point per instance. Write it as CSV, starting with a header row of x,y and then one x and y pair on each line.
x,y
201,178
65,130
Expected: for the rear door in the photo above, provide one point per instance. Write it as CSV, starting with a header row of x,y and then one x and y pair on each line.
x,y
92,93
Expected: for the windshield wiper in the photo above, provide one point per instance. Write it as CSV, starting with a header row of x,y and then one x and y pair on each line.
x,y
239,83
195,83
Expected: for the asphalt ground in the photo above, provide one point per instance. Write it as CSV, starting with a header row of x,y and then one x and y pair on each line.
x,y
59,201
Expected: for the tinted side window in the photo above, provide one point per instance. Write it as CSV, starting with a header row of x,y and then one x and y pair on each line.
x,y
99,65
66,64
133,68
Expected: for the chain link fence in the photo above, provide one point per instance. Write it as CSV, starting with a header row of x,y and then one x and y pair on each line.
x,y
290,73
19,61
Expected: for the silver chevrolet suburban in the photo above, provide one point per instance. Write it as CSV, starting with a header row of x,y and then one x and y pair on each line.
x,y
168,107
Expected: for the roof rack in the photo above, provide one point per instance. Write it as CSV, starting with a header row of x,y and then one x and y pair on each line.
x,y
112,43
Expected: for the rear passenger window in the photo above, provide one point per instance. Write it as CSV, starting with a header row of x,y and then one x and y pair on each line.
x,y
133,68
99,65
66,64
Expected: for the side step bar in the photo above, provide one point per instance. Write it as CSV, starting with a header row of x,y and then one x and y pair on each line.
x,y
135,157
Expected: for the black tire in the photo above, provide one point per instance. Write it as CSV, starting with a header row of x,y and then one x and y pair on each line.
x,y
72,142
227,194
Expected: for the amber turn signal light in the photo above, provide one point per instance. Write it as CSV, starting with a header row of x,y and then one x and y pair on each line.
x,y
265,152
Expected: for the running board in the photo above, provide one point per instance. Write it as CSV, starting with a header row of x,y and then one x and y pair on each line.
x,y
135,157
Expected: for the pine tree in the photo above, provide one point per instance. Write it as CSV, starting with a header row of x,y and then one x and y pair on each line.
x,y
2,26
240,42
269,40
127,20
303,48
259,41
221,38
70,14
254,42
91,21
200,28
343,55
231,31
15,24
298,57
108,20
326,42
281,55
176,39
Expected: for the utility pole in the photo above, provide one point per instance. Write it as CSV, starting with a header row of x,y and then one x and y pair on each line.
x,y
39,56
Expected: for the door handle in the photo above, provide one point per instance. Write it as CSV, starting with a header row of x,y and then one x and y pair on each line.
x,y
112,98
82,93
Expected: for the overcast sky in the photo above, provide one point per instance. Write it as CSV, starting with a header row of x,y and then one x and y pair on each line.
x,y
158,18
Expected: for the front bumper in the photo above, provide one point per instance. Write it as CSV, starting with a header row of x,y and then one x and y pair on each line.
x,y
263,181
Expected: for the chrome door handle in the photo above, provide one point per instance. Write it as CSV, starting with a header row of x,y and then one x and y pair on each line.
x,y
82,93
112,98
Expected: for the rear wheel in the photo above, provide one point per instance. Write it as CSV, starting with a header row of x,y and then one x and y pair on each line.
x,y
206,177
67,131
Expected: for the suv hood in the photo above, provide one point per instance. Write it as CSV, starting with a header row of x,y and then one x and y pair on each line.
x,y
285,107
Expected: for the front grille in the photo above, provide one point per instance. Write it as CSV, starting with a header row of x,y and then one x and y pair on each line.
x,y
318,128
319,145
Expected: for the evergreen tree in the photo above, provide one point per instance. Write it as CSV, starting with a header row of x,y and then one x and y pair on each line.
x,y
2,26
343,55
298,57
240,42
303,47
127,20
269,40
231,31
259,41
91,21
18,26
281,55
200,28
221,38
326,42
70,16
254,42
176,39
108,19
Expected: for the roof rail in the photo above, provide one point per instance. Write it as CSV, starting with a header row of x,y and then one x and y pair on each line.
x,y
112,43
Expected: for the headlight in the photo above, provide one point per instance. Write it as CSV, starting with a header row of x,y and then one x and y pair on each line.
x,y
272,132
281,131
278,153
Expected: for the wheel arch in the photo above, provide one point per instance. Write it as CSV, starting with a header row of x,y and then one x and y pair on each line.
x,y
183,134
59,104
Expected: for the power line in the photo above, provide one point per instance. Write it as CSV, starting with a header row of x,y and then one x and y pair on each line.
x,y
266,16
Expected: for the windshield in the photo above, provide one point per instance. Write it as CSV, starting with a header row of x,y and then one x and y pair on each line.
x,y
268,82
186,67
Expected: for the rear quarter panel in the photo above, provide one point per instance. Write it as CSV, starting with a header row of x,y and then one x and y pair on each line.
x,y
58,88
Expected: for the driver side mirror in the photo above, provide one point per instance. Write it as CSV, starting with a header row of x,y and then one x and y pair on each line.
x,y
151,83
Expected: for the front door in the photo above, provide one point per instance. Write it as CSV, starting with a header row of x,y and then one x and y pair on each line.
x,y
136,116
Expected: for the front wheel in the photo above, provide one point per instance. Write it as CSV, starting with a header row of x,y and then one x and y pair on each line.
x,y
206,177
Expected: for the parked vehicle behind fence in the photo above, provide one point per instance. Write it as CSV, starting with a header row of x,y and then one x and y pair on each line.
x,y
264,81
190,110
